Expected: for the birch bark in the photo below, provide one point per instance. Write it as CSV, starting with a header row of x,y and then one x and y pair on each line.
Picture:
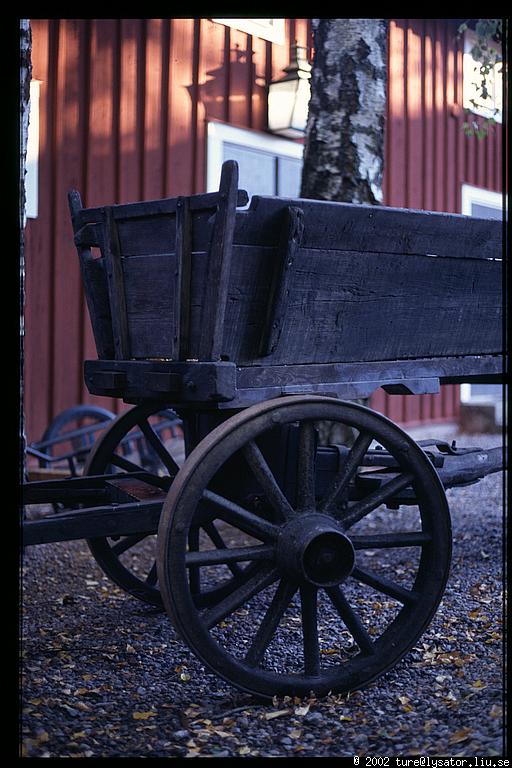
x,y
344,148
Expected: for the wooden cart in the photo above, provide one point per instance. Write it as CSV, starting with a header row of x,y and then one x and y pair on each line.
x,y
290,560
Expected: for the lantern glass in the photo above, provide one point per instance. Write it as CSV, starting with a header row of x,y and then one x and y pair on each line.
x,y
288,99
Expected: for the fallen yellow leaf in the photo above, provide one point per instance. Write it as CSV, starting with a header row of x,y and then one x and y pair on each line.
x,y
279,713
143,715
461,735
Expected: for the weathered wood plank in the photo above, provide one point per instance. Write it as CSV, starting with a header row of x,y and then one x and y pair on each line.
x,y
182,280
141,517
291,236
342,306
370,228
357,306
447,369
204,201
150,287
115,282
219,265
95,285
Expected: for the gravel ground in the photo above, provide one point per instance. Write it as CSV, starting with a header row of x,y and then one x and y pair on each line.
x,y
104,675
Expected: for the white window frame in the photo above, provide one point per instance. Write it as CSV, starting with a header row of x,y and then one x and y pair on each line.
x,y
32,158
471,76
218,133
268,29
471,194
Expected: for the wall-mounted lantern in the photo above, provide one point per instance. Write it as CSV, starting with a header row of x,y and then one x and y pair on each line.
x,y
288,97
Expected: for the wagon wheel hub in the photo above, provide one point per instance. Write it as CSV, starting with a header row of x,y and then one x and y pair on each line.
x,y
314,549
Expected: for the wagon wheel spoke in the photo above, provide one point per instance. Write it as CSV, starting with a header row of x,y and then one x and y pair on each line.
x,y
267,481
390,540
309,607
241,518
154,440
152,576
122,463
351,620
229,556
275,612
306,467
382,494
242,594
219,542
347,471
385,585
127,542
129,466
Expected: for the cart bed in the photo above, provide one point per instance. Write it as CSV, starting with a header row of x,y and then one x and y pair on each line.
x,y
284,296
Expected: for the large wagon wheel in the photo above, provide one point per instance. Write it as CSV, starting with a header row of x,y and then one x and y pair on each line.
x,y
132,444
342,585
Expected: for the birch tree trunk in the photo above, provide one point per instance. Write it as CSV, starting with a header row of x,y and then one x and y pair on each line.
x,y
344,149
25,76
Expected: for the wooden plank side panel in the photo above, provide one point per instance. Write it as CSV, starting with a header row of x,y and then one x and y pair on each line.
x,y
411,306
402,307
374,228
150,297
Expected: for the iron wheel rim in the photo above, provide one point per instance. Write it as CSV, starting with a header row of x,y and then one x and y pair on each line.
x,y
186,493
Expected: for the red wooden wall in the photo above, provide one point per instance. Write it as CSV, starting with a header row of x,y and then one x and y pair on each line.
x,y
123,111
428,157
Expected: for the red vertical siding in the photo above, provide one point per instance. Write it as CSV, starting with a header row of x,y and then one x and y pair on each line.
x,y
428,157
123,109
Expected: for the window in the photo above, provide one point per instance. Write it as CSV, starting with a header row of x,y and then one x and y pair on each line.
x,y
267,165
472,95
268,29
483,204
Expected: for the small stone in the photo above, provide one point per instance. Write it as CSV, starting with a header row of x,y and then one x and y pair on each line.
x,y
313,717
181,734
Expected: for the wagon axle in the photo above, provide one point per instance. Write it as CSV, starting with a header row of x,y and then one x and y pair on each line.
x,y
314,550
